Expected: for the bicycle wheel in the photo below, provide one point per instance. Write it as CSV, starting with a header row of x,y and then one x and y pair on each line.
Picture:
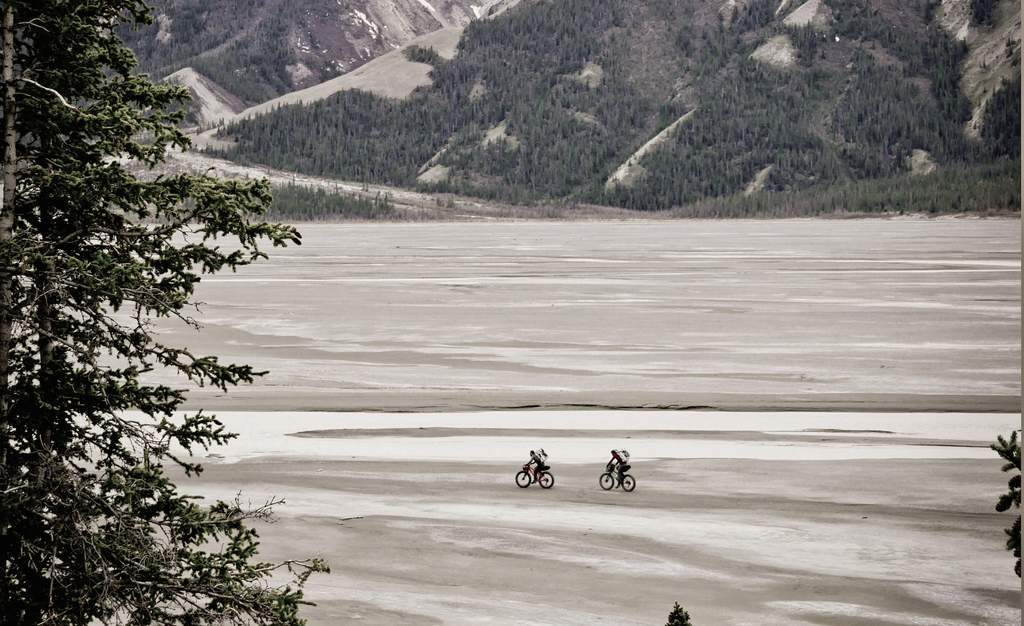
x,y
628,483
523,480
546,480
607,481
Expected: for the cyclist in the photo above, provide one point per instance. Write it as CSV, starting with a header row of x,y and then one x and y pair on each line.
x,y
619,461
538,459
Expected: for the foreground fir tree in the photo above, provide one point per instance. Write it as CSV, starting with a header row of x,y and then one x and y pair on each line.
x,y
1009,449
678,617
91,528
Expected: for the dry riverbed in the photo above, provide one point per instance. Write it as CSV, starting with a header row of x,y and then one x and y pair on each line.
x,y
899,340
749,315
891,522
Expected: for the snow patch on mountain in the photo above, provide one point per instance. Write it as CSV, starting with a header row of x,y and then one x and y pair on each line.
x,y
371,27
433,11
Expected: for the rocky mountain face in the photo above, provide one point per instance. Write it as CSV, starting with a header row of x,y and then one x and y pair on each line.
x,y
243,52
653,104
991,31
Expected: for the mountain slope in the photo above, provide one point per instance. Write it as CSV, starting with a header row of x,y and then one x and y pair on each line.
x,y
391,75
211,104
261,49
866,89
993,38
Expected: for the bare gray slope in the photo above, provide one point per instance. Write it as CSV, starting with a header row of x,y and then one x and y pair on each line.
x,y
260,49
391,75
211,104
992,51
632,169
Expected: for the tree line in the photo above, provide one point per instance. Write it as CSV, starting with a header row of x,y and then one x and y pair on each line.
x,y
298,203
987,189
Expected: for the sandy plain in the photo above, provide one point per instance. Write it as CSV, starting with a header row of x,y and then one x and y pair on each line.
x,y
881,513
890,521
758,315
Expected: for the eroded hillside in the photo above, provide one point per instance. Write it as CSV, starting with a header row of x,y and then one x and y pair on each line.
x,y
588,96
256,50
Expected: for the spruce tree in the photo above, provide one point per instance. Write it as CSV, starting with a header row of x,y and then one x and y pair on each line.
x,y
92,529
1009,450
678,617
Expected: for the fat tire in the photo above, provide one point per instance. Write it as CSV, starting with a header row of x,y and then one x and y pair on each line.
x,y
628,483
607,481
546,480
523,480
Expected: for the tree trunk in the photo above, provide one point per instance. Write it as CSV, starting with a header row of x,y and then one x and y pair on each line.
x,y
44,342
6,235
10,182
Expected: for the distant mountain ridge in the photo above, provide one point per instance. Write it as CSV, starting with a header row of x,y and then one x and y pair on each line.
x,y
650,104
256,50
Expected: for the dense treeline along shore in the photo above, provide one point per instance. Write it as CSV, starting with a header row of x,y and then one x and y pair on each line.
x,y
758,113
991,190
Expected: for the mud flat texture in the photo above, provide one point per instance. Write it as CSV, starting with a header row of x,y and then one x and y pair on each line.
x,y
824,519
908,314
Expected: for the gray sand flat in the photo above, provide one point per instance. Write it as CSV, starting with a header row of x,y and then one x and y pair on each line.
x,y
580,436
859,314
787,518
840,436
735,541
891,539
